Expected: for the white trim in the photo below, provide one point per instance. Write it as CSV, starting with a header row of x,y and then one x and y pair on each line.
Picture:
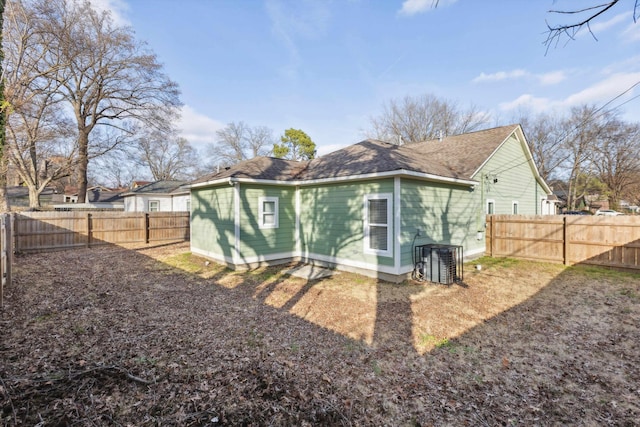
x,y
389,224
397,224
212,255
516,204
149,205
486,206
236,221
276,217
297,224
349,263
361,177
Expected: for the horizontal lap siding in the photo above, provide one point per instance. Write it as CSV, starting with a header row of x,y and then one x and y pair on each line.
x,y
445,214
516,180
332,223
256,241
212,220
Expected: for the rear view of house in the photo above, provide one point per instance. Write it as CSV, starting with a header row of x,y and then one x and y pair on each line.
x,y
364,208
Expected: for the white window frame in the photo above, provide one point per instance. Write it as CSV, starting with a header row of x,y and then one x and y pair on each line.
x,y
515,209
489,202
149,205
367,239
261,212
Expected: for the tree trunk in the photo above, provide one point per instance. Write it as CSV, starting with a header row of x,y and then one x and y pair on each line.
x,y
83,164
34,197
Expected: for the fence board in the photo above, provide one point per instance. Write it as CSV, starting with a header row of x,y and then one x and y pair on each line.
x,y
597,240
45,231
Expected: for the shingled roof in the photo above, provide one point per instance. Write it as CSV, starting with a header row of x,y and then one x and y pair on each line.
x,y
453,157
159,187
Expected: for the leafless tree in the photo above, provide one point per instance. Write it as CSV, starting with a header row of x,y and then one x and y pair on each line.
x,y
108,79
421,118
583,128
544,134
617,159
583,19
168,157
40,142
238,141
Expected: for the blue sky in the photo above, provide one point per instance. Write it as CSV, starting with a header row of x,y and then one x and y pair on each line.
x,y
327,67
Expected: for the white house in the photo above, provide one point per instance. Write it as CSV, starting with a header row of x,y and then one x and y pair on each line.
x,y
159,196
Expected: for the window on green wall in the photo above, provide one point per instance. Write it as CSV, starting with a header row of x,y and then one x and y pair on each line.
x,y
491,207
268,212
377,224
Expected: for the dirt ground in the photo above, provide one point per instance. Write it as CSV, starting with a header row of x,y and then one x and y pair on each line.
x,y
157,336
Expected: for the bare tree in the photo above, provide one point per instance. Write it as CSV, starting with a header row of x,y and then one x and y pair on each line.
x,y
38,134
415,119
238,141
584,17
168,157
4,199
583,128
544,135
109,80
617,159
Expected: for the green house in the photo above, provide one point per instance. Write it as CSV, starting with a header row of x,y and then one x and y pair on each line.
x,y
364,208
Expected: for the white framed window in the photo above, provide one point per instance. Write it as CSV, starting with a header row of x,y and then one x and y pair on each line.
x,y
189,205
154,205
268,212
491,206
514,208
377,224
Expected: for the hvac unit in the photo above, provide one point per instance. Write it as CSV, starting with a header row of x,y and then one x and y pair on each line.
x,y
438,263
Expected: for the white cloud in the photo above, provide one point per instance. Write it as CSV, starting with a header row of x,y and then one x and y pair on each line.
x,y
597,94
552,78
527,101
597,27
413,7
118,9
546,79
604,91
632,33
500,75
198,128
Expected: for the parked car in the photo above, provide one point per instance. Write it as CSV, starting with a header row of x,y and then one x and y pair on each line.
x,y
577,213
608,212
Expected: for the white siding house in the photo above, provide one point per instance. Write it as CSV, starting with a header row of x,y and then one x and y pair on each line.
x,y
159,196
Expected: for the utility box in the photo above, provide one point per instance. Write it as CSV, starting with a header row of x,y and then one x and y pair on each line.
x,y
438,263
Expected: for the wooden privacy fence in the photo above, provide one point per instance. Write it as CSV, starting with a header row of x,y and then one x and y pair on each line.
x,y
568,239
6,253
45,231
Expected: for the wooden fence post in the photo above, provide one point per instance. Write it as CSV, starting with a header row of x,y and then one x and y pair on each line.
x,y
493,233
146,227
565,241
88,230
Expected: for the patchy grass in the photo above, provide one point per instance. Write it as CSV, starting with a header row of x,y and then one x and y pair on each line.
x,y
159,336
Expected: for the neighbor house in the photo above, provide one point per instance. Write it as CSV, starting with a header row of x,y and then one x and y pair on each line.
x,y
365,207
158,196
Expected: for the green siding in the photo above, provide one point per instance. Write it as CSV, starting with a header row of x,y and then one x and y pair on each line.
x,y
516,181
332,223
444,213
212,220
256,241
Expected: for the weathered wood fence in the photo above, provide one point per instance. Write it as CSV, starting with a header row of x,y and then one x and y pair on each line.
x,y
46,231
567,239
6,253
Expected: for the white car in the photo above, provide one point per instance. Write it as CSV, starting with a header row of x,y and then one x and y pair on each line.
x,y
608,212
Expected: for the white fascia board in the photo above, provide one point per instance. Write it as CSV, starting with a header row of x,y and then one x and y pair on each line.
x,y
214,182
362,177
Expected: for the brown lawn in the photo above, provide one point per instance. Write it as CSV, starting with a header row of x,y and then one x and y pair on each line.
x,y
156,336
